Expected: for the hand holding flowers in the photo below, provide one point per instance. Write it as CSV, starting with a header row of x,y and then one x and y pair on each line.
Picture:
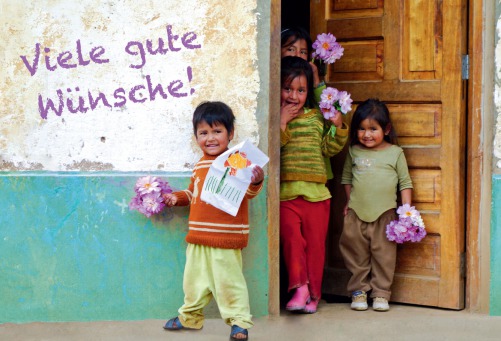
x,y
149,195
169,199
334,101
326,48
409,227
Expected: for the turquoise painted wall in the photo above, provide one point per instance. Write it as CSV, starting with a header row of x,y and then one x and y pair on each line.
x,y
71,250
495,290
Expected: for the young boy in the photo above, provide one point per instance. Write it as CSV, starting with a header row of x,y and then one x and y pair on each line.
x,y
215,239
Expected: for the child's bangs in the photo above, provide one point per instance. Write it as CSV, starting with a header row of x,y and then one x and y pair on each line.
x,y
290,78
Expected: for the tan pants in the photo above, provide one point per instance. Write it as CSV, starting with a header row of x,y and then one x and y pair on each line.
x,y
368,255
213,272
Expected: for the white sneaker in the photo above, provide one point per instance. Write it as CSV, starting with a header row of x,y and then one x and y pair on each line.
x,y
359,300
380,304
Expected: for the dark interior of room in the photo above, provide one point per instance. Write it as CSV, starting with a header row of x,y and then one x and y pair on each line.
x,y
296,13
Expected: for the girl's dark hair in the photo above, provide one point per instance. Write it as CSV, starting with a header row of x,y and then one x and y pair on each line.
x,y
214,112
376,110
293,67
294,34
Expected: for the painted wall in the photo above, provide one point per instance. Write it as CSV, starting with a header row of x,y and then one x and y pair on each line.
x,y
495,291
497,94
495,287
102,85
70,249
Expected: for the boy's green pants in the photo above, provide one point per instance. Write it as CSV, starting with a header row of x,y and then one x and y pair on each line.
x,y
214,272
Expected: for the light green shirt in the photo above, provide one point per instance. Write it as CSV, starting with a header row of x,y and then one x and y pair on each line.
x,y
375,176
310,191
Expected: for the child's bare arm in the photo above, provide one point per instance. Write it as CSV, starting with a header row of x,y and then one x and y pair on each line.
x,y
347,190
406,195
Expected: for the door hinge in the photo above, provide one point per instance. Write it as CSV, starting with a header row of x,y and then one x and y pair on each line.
x,y
465,67
462,265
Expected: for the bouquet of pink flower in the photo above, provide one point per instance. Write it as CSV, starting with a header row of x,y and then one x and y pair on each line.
x,y
409,227
327,49
333,100
148,199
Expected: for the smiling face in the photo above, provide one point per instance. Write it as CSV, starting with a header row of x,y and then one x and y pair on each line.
x,y
371,135
213,140
298,49
296,92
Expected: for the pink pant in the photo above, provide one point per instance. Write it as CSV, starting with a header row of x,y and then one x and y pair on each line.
x,y
303,229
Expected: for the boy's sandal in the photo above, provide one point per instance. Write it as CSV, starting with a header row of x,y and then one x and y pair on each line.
x,y
235,330
173,324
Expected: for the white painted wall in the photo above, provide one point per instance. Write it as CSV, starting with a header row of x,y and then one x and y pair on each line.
x,y
148,136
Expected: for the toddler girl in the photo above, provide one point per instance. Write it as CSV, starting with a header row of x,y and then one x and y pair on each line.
x,y
375,168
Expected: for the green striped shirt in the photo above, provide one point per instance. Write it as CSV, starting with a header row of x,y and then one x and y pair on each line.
x,y
306,141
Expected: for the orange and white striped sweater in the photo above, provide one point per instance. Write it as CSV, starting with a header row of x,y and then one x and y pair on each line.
x,y
209,225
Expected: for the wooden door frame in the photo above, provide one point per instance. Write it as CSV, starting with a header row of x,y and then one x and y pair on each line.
x,y
479,154
273,189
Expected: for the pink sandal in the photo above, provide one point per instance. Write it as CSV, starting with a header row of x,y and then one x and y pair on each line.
x,y
299,300
311,307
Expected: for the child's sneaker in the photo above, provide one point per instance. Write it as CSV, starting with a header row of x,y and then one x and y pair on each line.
x,y
380,304
359,300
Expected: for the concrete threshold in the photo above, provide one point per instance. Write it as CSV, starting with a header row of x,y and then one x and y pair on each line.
x,y
333,321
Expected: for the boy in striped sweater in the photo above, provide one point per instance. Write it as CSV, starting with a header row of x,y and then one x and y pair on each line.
x,y
215,238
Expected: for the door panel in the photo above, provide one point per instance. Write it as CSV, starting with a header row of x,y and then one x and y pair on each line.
x,y
408,54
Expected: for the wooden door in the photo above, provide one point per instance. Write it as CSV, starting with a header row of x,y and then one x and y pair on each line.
x,y
408,54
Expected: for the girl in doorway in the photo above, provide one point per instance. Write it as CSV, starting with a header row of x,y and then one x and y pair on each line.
x,y
295,41
375,168
305,139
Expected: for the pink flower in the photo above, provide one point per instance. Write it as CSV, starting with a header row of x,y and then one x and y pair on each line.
x,y
327,109
147,184
408,228
153,203
344,100
333,101
420,234
164,187
148,199
329,95
327,49
135,203
407,210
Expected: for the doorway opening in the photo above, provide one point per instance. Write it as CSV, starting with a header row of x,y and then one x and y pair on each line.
x,y
384,59
296,13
